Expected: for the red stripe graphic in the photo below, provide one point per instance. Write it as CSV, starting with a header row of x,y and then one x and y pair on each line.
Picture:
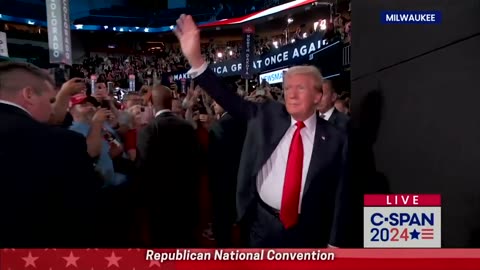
x,y
258,14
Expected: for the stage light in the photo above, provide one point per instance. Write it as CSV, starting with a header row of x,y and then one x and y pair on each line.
x,y
31,22
171,27
105,27
293,40
114,29
230,53
136,27
219,55
79,26
121,29
275,43
146,30
290,20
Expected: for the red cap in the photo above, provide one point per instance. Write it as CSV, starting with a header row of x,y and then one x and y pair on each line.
x,y
82,98
78,99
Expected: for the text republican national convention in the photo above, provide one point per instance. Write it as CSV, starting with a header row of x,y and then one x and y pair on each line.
x,y
239,255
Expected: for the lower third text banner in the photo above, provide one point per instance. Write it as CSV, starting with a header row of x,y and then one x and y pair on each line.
x,y
199,259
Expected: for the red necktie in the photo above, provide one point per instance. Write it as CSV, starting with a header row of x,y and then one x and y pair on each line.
x,y
293,180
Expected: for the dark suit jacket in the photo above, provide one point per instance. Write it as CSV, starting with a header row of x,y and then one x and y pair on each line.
x,y
167,164
225,144
340,120
324,213
47,184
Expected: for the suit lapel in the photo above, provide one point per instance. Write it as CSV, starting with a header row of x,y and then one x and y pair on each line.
x,y
333,117
318,160
273,132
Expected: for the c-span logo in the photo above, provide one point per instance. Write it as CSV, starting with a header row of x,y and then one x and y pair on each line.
x,y
402,221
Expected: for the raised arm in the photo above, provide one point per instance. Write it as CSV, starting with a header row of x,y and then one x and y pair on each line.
x,y
188,34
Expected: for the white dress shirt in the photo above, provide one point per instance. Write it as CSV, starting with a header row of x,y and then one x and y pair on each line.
x,y
14,105
193,73
271,177
162,111
327,114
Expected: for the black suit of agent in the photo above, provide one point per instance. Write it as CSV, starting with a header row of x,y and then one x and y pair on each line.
x,y
48,186
324,210
339,120
225,143
168,175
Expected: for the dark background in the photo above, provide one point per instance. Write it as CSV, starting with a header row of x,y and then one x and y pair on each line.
x,y
415,95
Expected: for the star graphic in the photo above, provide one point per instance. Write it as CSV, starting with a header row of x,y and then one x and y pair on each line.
x,y
113,260
154,263
71,260
414,234
30,260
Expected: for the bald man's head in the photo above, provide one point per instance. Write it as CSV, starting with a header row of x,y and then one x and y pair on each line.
x,y
162,97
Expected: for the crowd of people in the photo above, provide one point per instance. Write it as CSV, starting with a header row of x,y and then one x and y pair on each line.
x,y
151,68
159,167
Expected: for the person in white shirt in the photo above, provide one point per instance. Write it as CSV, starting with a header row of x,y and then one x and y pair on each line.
x,y
293,188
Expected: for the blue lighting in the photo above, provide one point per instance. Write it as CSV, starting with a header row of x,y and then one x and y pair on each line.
x,y
87,27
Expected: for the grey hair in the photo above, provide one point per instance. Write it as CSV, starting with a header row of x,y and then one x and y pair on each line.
x,y
311,71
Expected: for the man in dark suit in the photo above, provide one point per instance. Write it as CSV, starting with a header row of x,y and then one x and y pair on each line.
x,y
327,110
225,144
292,184
167,162
48,180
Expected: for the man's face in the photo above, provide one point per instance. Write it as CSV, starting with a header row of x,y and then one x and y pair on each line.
x,y
101,90
40,105
85,110
217,108
328,98
301,97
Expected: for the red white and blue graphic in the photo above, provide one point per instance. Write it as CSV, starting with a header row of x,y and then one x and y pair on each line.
x,y
402,221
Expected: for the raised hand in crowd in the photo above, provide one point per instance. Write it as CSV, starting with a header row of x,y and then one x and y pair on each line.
x,y
101,116
95,137
59,107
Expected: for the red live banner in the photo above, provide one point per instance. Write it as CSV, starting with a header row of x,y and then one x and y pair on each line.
x,y
402,200
199,259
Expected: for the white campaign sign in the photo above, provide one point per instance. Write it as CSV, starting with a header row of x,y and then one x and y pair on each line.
x,y
273,77
3,44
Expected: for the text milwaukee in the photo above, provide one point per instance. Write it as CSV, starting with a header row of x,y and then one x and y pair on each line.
x,y
411,18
